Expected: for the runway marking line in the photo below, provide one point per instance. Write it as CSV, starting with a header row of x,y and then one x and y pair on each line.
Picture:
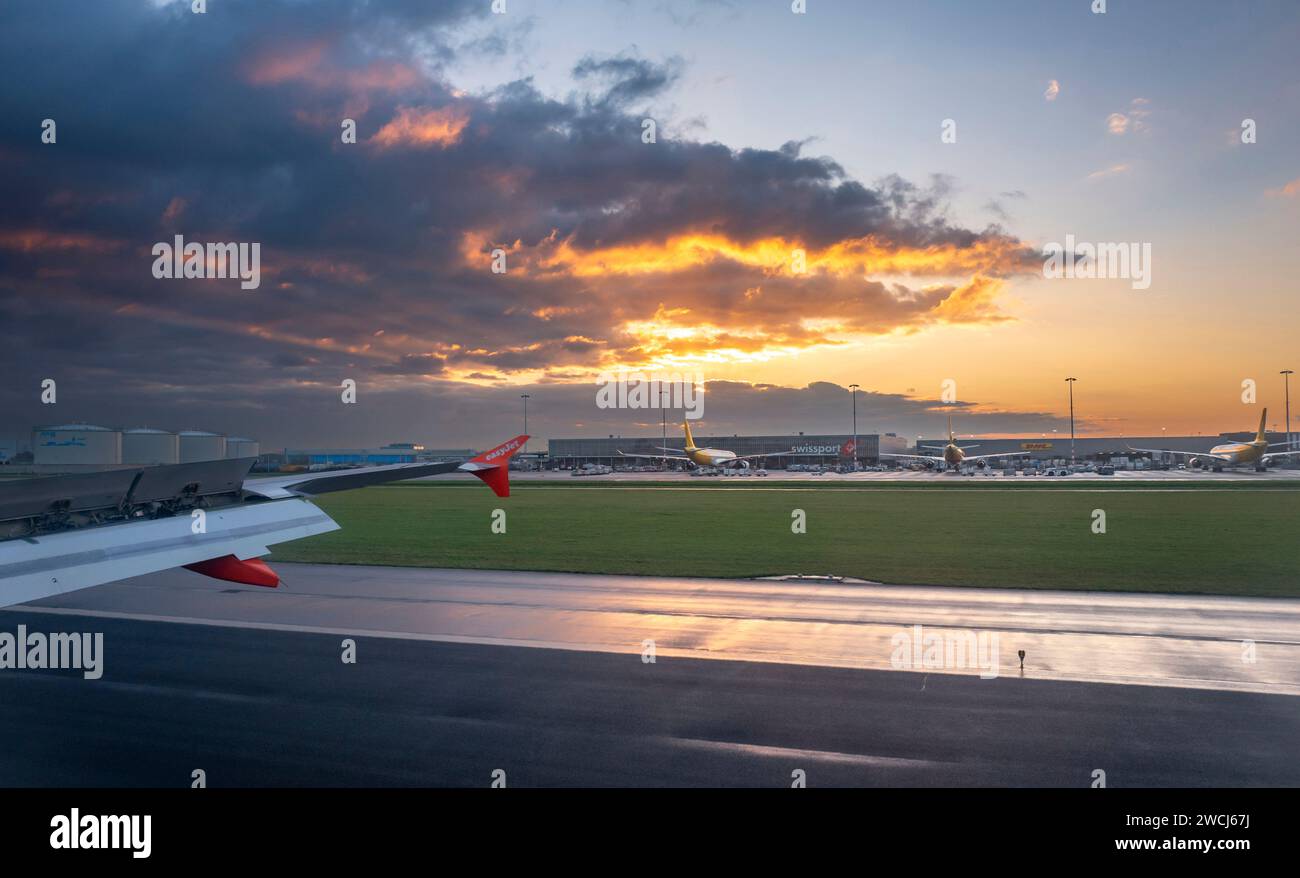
x,y
973,488
830,756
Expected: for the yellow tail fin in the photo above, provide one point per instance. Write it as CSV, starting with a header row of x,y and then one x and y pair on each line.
x,y
1259,437
690,442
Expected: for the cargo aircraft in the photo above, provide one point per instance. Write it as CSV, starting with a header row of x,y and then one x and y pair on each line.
x,y
715,457
1233,453
65,533
952,455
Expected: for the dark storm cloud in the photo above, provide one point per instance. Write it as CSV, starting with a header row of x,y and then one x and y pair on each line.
x,y
630,78
225,127
447,414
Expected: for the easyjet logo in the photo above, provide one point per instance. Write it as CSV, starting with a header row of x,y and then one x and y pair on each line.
x,y
504,449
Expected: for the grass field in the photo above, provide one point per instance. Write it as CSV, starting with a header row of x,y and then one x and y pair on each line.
x,y
1242,540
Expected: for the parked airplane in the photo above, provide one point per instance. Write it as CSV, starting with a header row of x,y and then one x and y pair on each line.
x,y
66,533
952,454
718,457
1233,453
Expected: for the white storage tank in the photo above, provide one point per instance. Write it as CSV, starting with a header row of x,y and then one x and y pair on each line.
x,y
145,446
77,445
237,446
199,445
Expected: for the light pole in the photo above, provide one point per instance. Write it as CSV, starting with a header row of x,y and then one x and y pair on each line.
x,y
524,397
1070,381
854,389
663,411
1286,376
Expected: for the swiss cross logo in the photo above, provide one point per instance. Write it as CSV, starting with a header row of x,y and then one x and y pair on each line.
x,y
848,449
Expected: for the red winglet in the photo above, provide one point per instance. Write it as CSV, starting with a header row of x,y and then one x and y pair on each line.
x,y
254,571
494,466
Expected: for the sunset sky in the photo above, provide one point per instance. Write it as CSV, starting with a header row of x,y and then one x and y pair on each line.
x,y
776,132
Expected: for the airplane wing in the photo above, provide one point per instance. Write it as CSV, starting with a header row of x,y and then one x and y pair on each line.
x,y
656,456
1222,457
1273,454
65,533
311,484
42,566
780,454
1000,454
932,457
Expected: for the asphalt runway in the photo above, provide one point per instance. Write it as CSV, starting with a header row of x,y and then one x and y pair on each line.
x,y
275,708
1123,476
461,673
1163,640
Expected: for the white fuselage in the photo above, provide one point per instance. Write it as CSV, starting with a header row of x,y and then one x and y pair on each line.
x,y
1238,453
710,456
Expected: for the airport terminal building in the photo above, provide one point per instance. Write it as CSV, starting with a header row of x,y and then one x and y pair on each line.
x,y
832,450
1057,448
781,451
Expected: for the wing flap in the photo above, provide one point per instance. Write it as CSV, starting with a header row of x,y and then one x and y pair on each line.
x,y
1183,453
914,457
654,456
38,567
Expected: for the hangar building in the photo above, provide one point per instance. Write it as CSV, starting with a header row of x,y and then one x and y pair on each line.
x,y
829,449
1056,447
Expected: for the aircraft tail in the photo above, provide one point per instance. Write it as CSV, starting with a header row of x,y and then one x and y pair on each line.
x,y
1260,437
690,441
493,467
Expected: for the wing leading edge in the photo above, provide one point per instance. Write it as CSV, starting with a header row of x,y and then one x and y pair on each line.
x,y
69,533
490,466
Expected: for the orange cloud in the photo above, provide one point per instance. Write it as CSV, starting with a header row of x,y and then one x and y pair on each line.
x,y
175,208
1134,119
422,127
722,301
1290,190
309,64
291,65
1122,168
39,240
973,302
858,257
